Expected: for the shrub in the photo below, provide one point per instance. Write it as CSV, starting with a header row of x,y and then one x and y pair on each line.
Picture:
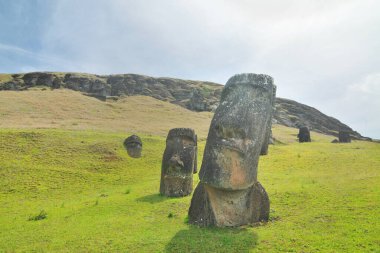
x,y
41,216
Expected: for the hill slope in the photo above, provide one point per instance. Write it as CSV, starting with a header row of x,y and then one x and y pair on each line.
x,y
324,197
67,109
193,95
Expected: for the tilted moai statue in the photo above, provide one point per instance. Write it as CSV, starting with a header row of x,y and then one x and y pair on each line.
x,y
179,162
228,193
344,136
133,145
304,134
268,132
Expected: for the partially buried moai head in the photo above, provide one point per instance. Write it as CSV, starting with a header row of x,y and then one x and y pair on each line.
x,y
179,162
237,132
133,145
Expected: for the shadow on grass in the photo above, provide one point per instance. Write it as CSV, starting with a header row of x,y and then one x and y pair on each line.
x,y
152,198
196,239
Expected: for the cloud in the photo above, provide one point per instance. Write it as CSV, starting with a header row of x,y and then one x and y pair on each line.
x,y
362,104
321,53
27,61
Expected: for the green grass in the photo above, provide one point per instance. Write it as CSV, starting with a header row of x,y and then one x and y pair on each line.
x,y
94,198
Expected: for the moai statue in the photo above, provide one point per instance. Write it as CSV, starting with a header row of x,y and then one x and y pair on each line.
x,y
344,136
268,132
179,163
304,134
229,194
133,145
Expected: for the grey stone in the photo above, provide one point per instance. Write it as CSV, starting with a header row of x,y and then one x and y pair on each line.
x,y
344,136
268,132
179,163
133,145
304,134
228,193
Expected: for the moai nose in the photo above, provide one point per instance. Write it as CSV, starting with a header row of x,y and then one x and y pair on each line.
x,y
175,160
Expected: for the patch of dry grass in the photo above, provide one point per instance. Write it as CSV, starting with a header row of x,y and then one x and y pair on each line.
x,y
67,109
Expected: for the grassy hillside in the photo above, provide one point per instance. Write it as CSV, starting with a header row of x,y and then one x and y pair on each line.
x,y
324,197
72,187
67,109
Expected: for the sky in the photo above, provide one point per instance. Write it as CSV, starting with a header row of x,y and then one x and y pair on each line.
x,y
325,54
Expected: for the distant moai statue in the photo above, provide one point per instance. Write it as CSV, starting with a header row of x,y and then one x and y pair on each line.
x,y
133,145
344,136
268,132
304,134
179,163
228,193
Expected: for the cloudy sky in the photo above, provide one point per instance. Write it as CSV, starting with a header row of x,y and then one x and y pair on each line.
x,y
325,54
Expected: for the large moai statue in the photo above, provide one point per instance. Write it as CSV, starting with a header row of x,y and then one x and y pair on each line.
x,y
133,145
304,134
344,136
229,194
179,162
268,133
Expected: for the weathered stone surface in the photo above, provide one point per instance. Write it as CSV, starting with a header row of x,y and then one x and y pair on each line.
x,y
237,132
304,134
133,145
268,132
344,136
228,193
223,208
179,163
335,141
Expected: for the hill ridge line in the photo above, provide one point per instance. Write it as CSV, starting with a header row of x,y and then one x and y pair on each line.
x,y
190,94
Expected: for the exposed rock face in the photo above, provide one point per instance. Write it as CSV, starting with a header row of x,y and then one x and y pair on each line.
x,y
133,145
304,134
293,114
194,95
228,193
344,136
268,133
179,163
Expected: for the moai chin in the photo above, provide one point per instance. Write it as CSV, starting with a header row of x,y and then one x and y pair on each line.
x,y
228,193
304,134
179,162
133,145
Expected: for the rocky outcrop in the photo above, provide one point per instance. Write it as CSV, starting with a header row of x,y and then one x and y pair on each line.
x,y
293,114
193,95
